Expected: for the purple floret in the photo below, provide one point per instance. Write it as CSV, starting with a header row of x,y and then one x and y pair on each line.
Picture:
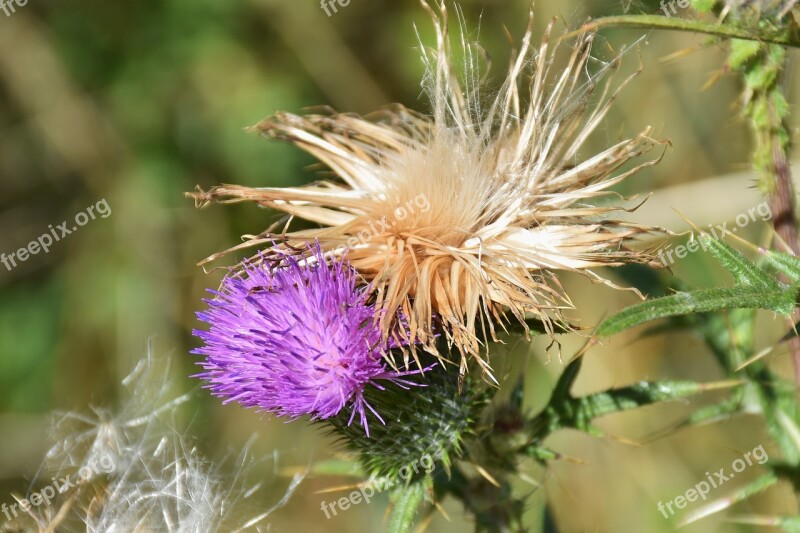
x,y
294,340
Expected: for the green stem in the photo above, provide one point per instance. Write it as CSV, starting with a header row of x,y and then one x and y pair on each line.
x,y
495,508
658,22
762,71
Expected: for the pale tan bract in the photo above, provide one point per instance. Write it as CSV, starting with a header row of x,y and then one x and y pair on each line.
x,y
506,194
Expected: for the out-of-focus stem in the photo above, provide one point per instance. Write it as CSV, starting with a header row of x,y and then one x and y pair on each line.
x,y
762,69
695,26
782,201
766,108
785,224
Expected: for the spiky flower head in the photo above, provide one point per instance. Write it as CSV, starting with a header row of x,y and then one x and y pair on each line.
x,y
294,339
463,216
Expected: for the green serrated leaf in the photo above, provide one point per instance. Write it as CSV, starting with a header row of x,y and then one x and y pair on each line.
x,y
700,301
406,501
786,264
580,413
716,412
744,271
742,51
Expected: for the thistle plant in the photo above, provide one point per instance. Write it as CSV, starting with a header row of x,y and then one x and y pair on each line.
x,y
506,192
760,35
439,232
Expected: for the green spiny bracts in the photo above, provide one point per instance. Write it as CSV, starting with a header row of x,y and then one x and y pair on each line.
x,y
432,421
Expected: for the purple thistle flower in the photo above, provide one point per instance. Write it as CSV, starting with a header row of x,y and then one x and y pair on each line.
x,y
297,339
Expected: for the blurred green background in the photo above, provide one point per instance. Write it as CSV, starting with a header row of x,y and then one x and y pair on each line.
x,y
138,102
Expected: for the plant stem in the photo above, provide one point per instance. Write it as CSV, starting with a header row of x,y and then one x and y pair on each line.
x,y
767,109
696,26
784,222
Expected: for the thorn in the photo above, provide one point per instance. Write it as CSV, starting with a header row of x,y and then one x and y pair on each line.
x,y
680,54
763,353
705,511
688,221
623,440
747,244
718,385
755,520
442,510
340,488
482,471
573,460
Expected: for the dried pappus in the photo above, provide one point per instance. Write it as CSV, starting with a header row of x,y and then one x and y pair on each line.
x,y
132,471
175,489
464,216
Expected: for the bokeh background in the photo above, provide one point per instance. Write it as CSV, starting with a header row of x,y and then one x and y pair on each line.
x,y
138,102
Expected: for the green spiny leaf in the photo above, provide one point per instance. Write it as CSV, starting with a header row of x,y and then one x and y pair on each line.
x,y
579,413
744,271
786,264
406,501
716,412
700,301
742,52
